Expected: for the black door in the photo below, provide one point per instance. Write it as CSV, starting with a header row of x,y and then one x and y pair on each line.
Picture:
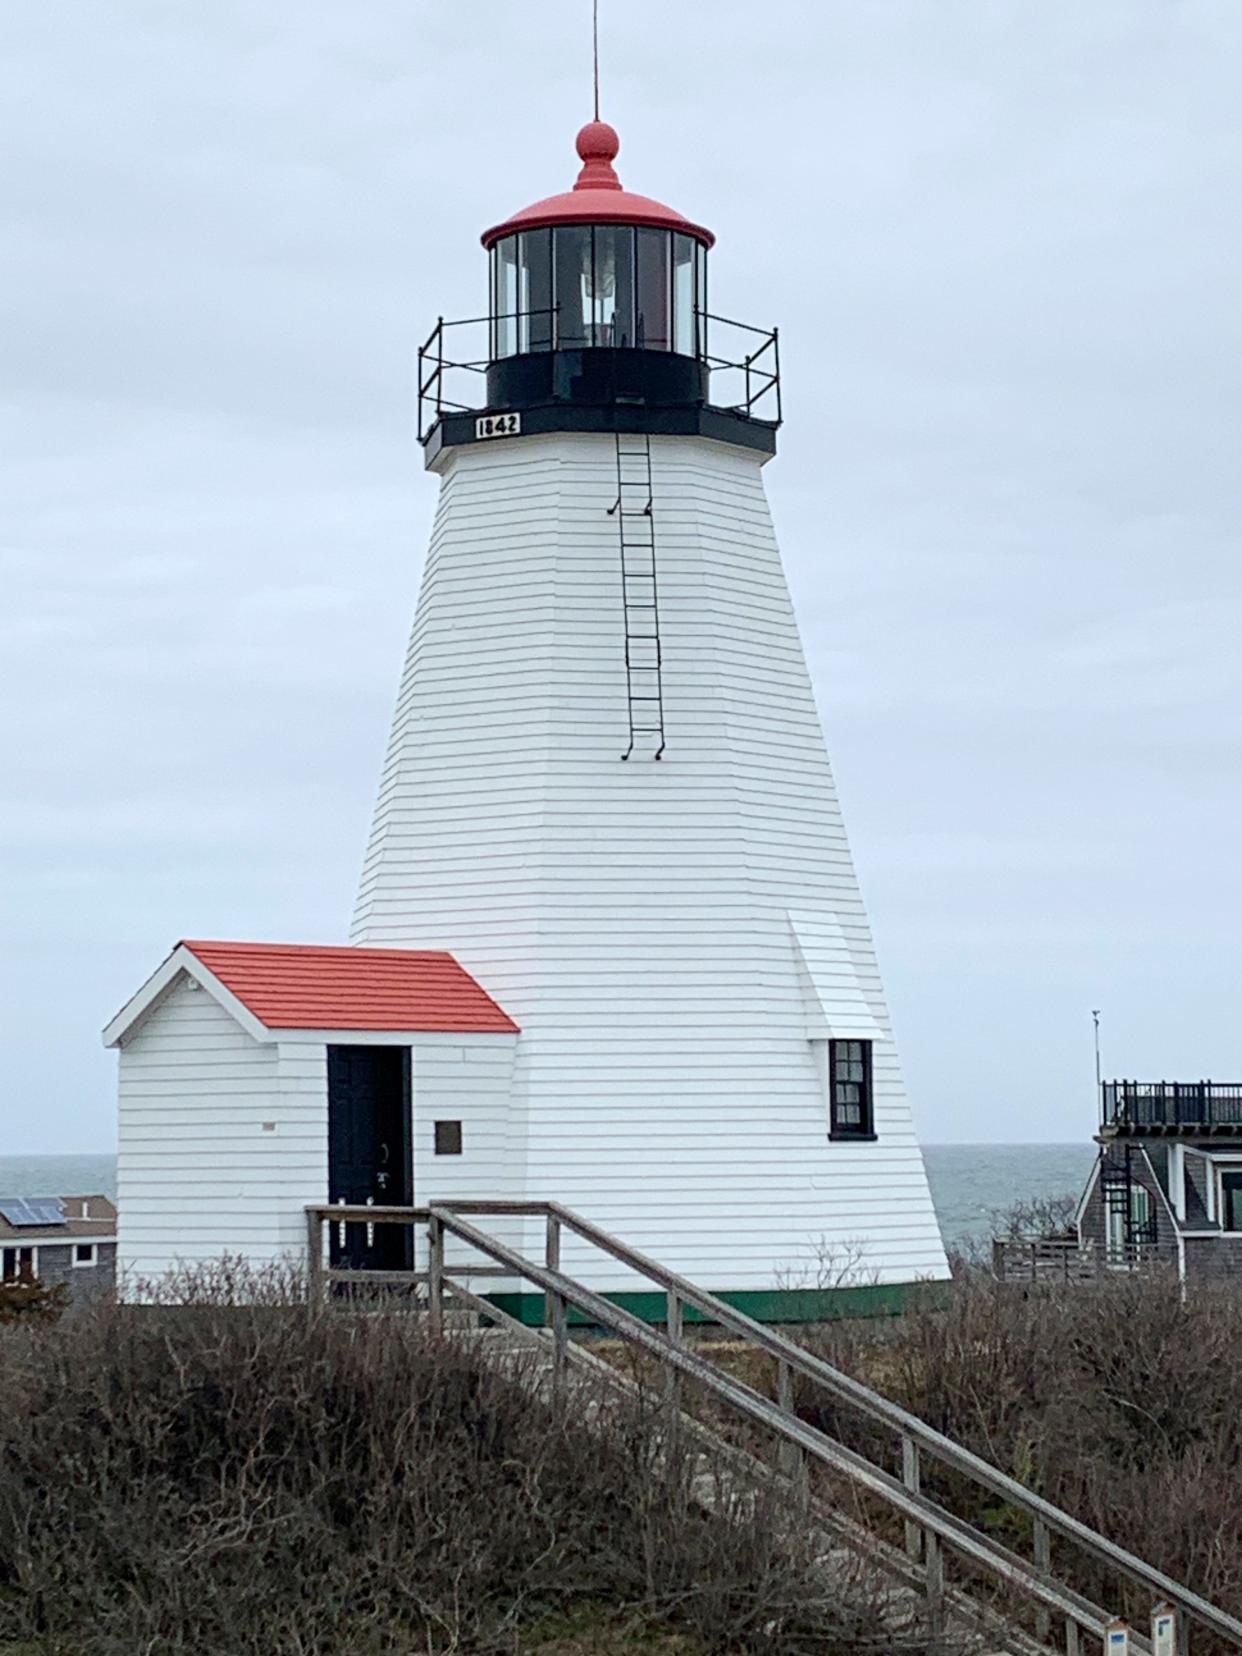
x,y
369,1151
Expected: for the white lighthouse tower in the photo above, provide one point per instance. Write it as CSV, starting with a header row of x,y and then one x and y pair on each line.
x,y
607,792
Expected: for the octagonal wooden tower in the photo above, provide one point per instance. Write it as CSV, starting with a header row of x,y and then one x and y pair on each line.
x,y
607,791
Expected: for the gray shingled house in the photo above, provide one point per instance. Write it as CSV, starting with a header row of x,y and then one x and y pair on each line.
x,y
1167,1185
52,1239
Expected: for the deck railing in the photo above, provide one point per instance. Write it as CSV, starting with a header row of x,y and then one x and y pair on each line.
x,y
934,1533
1053,1259
1135,1105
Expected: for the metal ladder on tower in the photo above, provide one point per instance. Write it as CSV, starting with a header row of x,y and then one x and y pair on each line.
x,y
635,513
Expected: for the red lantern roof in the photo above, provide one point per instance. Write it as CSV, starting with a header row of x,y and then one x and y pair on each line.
x,y
597,197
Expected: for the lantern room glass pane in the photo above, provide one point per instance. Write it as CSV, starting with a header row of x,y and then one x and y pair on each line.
x,y
535,289
608,285
572,261
652,329
612,288
683,295
506,297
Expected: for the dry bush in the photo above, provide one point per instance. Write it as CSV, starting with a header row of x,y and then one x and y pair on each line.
x,y
26,1300
265,1477
1120,1400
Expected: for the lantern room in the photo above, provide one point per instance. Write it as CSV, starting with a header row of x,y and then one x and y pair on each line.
x,y
598,311
598,267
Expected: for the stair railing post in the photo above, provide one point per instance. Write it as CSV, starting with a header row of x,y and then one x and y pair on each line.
x,y
934,1578
1073,1644
435,1276
1043,1563
551,1258
1168,1632
556,1306
911,1476
560,1342
675,1324
792,1459
314,1257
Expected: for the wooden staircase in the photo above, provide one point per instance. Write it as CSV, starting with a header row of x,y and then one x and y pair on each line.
x,y
905,1523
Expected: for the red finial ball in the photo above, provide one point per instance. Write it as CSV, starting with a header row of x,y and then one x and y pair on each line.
x,y
598,142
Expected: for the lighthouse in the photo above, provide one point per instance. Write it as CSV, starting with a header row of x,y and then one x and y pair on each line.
x,y
607,791
608,948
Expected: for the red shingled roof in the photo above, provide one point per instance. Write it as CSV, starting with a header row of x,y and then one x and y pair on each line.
x,y
306,986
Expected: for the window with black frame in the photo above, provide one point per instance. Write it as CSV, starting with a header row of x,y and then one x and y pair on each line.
x,y
851,1113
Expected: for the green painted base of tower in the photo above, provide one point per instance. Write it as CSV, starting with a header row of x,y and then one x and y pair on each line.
x,y
767,1305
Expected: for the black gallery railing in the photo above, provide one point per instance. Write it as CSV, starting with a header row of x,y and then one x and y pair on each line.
x,y
743,362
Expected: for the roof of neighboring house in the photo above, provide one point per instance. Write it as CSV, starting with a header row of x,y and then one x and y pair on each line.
x,y
85,1217
277,986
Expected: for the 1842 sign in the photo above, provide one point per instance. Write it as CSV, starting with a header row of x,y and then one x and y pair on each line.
x,y
498,425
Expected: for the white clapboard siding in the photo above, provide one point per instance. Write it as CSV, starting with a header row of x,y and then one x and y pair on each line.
x,y
220,1137
635,918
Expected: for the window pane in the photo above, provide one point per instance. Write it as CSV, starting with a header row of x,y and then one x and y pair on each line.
x,y
683,295
572,258
612,291
537,290
700,296
507,297
1231,1191
448,1138
652,326
850,1063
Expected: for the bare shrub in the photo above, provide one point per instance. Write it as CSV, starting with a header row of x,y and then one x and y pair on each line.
x,y
27,1300
1037,1218
1120,1400
830,1265
218,1474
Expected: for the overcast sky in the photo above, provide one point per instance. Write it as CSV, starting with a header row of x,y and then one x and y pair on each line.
x,y
1002,243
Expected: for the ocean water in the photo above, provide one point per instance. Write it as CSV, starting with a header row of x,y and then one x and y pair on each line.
x,y
969,1182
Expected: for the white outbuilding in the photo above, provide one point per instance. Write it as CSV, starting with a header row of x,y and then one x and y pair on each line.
x,y
256,1077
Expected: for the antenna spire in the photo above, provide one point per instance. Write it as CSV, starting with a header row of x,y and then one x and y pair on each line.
x,y
595,50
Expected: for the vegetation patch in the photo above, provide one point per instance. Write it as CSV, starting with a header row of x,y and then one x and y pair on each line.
x,y
265,1477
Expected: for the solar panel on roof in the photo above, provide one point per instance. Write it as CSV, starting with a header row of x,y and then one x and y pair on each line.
x,y
32,1210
